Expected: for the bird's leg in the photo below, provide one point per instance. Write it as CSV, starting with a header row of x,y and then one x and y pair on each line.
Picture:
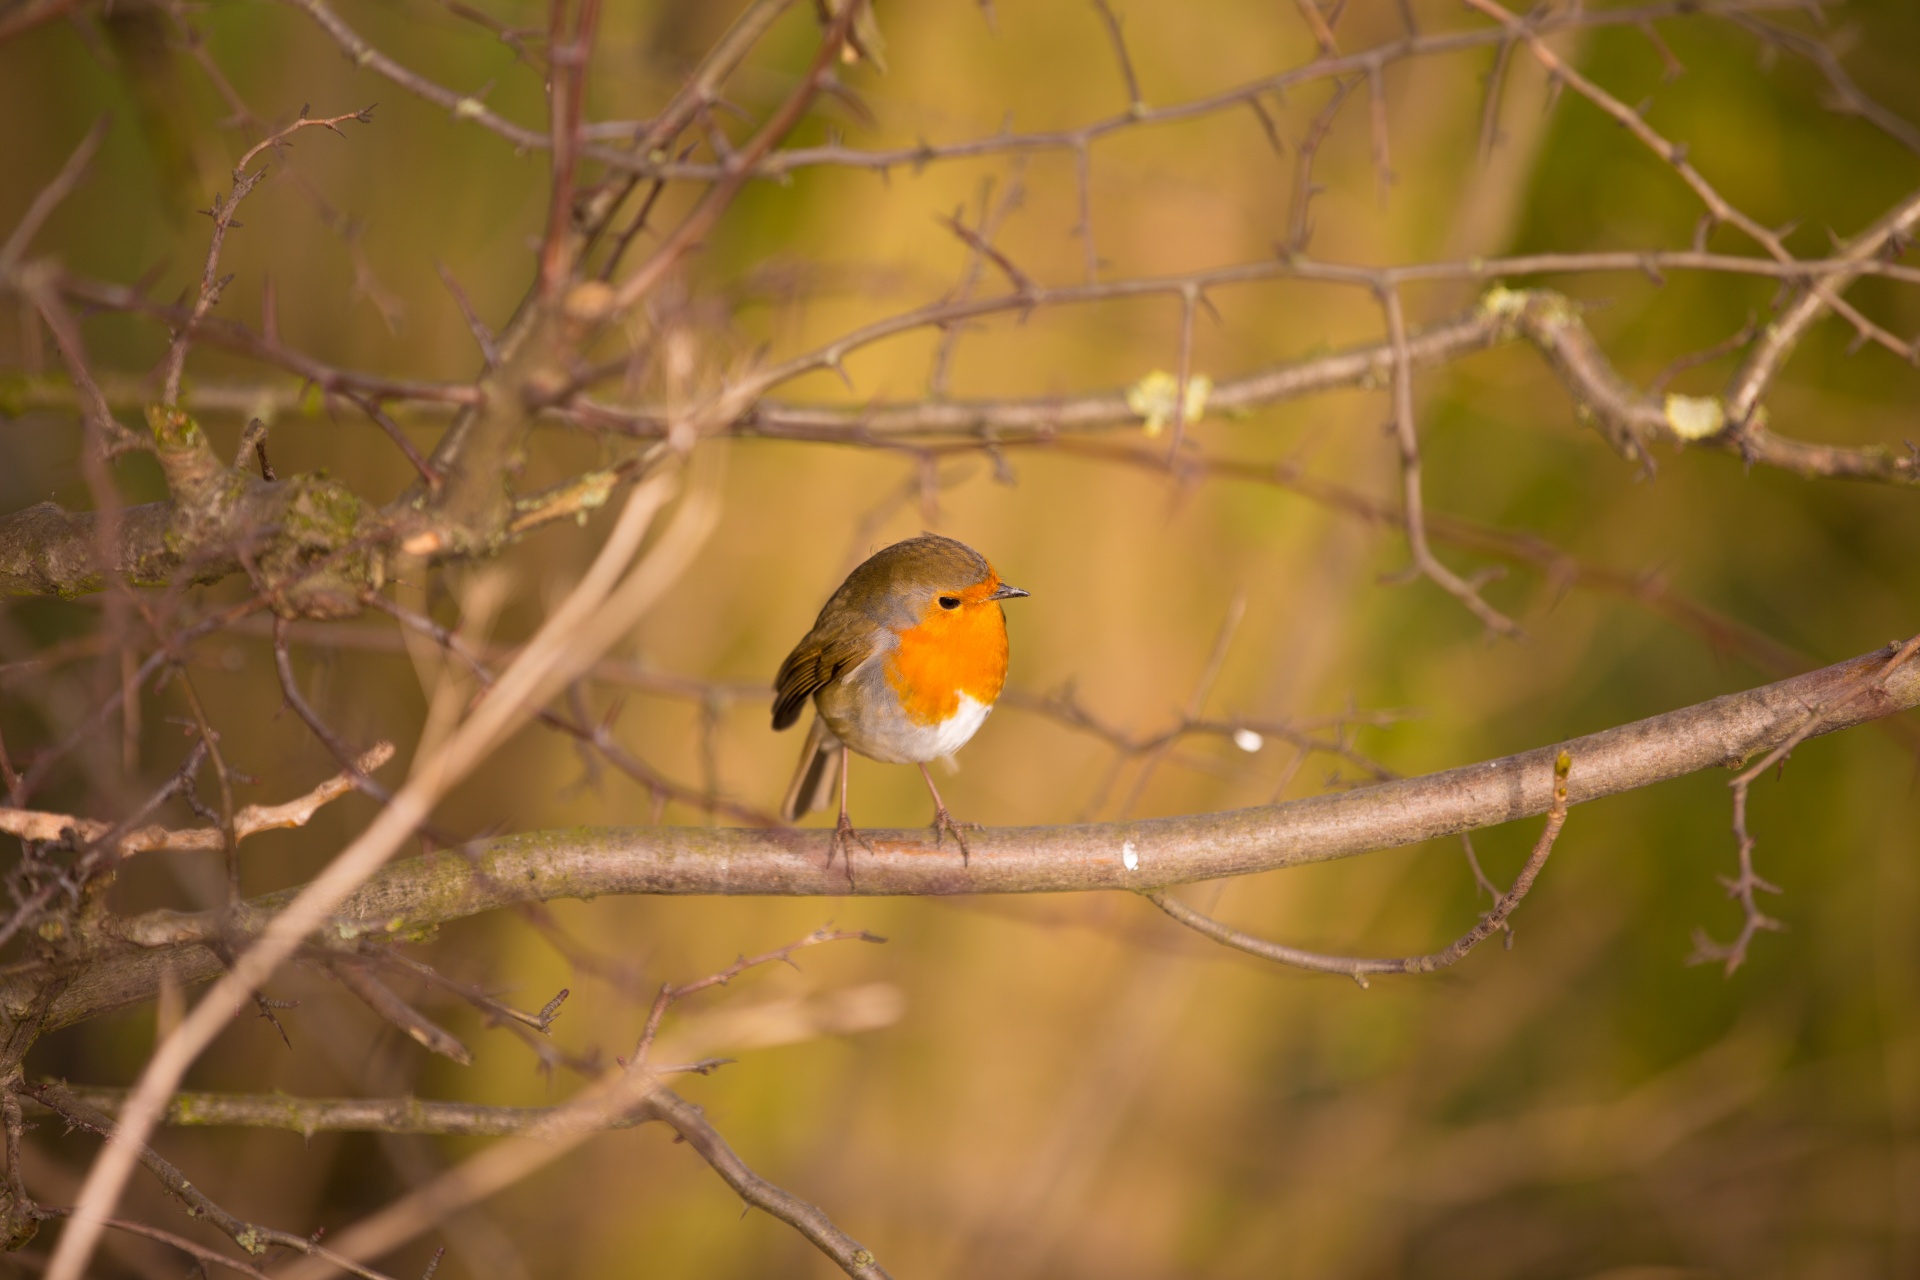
x,y
843,833
943,821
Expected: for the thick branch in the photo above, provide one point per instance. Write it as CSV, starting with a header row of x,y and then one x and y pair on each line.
x,y
308,1116
418,893
47,551
308,538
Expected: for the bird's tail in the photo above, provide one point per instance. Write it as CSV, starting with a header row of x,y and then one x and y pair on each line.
x,y
818,770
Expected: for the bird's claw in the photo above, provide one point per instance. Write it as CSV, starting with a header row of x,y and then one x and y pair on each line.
x,y
844,838
943,822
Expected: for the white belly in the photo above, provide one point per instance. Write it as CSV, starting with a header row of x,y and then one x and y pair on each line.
x,y
953,733
894,739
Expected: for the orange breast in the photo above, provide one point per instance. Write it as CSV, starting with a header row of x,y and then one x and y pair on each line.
x,y
947,654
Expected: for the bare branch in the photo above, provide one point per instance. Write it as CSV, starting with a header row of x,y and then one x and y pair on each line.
x,y
598,736
687,1121
256,1240
1847,96
1359,969
1317,24
1676,156
1747,884
30,824
308,1116
222,213
1136,105
615,592
29,14
356,975
1778,339
1413,501
458,106
670,993
1300,202
50,196
201,1255
739,168
543,866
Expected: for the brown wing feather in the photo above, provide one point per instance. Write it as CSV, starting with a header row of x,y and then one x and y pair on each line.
x,y
882,591
813,665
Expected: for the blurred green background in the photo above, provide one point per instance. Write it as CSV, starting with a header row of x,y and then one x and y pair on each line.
x,y
1078,1088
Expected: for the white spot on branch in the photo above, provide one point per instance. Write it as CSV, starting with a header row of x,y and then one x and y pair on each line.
x,y
1155,397
1695,417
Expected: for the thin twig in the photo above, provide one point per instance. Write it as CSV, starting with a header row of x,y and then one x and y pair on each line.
x,y
1414,503
126,840
254,1239
810,1221
49,197
1359,968
1747,883
222,213
1136,105
670,993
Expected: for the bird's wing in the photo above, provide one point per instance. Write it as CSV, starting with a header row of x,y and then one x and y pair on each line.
x,y
816,662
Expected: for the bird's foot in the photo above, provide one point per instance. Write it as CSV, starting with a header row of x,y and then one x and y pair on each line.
x,y
844,838
943,823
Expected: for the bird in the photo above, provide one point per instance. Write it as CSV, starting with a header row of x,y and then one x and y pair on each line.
x,y
903,665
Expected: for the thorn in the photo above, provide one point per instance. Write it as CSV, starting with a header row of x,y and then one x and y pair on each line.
x,y
606,726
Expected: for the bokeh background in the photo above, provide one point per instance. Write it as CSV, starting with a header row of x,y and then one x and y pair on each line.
x,y
1078,1088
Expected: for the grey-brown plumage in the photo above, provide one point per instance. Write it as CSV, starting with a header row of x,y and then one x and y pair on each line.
x,y
888,590
888,593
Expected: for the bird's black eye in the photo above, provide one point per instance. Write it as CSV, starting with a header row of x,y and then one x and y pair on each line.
x,y
949,602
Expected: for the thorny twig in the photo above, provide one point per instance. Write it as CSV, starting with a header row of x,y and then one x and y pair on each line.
x,y
687,1121
670,993
1414,502
251,1237
1719,208
127,839
658,161
649,161
98,852
1747,884
212,284
1358,968
598,736
203,1257
993,215
1300,202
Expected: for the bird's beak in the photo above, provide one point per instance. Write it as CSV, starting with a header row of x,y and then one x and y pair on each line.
x,y
1006,592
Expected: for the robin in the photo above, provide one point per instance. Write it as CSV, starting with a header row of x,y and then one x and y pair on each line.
x,y
903,664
